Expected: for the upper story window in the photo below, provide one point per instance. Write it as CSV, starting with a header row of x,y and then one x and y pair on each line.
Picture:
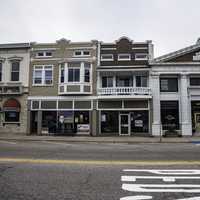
x,y
124,81
62,73
87,72
194,81
124,57
107,81
0,71
141,56
44,54
169,84
74,75
107,57
43,75
81,53
141,81
15,66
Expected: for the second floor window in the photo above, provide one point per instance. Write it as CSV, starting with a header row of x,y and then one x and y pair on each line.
x,y
169,84
43,75
141,81
62,73
107,81
74,75
0,71
15,71
195,81
124,57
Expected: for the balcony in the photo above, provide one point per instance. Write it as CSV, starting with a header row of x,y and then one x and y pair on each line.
x,y
11,89
132,91
74,88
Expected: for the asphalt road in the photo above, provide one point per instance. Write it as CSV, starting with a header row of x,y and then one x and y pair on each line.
x,y
75,171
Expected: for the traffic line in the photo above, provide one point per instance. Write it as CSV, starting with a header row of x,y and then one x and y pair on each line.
x,y
7,142
98,162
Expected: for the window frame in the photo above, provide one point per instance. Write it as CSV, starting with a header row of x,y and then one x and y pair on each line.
x,y
14,71
73,75
81,53
107,77
170,91
44,54
124,59
146,54
142,76
43,80
194,77
107,59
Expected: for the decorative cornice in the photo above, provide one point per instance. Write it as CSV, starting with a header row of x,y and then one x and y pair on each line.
x,y
15,58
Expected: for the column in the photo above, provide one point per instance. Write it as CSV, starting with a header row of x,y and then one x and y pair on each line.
x,y
185,109
39,122
154,83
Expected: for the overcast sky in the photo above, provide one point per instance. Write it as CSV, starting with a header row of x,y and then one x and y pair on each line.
x,y
171,24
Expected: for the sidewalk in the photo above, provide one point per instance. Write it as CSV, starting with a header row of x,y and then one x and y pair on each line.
x,y
83,139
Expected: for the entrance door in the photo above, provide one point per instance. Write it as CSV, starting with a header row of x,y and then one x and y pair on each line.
x,y
124,124
197,122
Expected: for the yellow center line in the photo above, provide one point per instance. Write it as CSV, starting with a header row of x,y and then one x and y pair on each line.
x,y
100,162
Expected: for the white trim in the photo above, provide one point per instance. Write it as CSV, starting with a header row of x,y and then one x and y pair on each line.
x,y
127,125
81,48
107,59
123,69
46,59
44,54
44,49
43,75
82,53
124,59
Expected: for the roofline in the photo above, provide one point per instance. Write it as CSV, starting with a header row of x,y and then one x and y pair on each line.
x,y
15,45
177,53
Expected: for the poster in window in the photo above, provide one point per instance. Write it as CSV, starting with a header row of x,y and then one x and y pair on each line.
x,y
138,123
103,118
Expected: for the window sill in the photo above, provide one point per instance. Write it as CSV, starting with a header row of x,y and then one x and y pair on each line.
x,y
38,85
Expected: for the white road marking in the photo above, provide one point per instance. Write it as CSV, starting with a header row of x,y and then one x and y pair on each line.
x,y
7,142
136,197
164,178
166,172
156,188
192,198
57,143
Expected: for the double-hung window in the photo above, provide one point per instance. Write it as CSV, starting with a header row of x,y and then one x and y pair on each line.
x,y
124,57
194,81
43,75
107,81
0,71
15,66
62,73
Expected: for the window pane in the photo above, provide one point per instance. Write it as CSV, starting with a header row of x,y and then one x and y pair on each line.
x,y
169,85
14,76
87,75
70,75
141,81
48,77
11,116
38,77
15,66
124,81
62,75
195,81
78,53
77,75
86,53
138,81
48,53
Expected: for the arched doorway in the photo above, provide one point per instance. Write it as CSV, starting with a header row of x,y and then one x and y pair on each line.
x,y
11,110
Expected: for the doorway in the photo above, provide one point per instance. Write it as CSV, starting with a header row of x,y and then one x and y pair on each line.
x,y
124,124
197,122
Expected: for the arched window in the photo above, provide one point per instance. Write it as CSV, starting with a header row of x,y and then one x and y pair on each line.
x,y
11,109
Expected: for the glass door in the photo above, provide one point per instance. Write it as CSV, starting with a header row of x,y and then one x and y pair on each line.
x,y
124,124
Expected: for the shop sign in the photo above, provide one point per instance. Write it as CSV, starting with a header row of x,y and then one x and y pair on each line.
x,y
138,123
83,127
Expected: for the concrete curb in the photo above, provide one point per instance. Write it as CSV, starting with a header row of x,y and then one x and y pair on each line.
x,y
101,139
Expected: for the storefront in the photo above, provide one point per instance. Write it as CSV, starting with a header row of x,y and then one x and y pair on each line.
x,y
61,117
130,117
